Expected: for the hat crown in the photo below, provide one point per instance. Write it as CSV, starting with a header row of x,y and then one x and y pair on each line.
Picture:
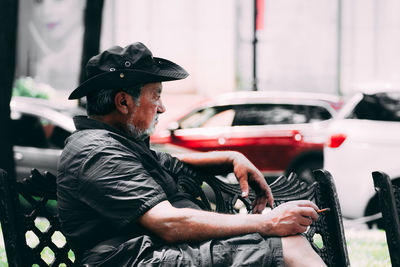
x,y
118,68
134,56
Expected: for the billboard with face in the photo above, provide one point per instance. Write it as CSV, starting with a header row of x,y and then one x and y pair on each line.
x,y
50,38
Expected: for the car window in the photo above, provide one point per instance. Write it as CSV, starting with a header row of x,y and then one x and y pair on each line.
x,y
267,114
318,113
381,107
271,114
209,117
32,131
223,118
254,114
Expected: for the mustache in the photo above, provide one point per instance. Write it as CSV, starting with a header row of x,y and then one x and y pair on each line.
x,y
155,117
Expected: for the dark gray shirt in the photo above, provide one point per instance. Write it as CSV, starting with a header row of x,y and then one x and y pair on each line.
x,y
106,180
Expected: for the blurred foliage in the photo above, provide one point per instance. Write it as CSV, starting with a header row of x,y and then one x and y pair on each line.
x,y
28,87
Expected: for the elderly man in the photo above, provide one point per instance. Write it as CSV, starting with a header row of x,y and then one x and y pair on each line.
x,y
119,204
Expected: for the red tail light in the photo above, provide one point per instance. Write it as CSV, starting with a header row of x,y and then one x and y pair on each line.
x,y
336,140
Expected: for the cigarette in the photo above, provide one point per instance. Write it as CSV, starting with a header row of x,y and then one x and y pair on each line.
x,y
323,210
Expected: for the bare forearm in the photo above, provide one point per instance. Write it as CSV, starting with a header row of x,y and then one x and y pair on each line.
x,y
182,225
220,161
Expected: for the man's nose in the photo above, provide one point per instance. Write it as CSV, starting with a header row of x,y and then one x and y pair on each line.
x,y
161,108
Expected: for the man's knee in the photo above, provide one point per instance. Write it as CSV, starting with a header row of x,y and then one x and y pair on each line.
x,y
297,251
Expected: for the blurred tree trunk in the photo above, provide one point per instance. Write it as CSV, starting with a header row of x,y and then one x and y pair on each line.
x,y
8,36
91,39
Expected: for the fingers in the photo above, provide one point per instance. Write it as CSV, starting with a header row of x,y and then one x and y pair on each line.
x,y
305,203
302,229
292,217
304,218
259,205
270,200
260,202
305,221
248,175
309,212
244,186
305,209
241,175
263,191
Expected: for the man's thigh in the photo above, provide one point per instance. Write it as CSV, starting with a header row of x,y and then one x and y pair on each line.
x,y
246,250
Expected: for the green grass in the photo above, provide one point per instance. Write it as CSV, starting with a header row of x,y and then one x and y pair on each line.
x,y
367,248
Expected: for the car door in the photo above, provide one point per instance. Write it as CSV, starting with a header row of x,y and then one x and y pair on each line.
x,y
267,134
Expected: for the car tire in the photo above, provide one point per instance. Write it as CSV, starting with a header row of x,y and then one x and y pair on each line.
x,y
373,208
305,168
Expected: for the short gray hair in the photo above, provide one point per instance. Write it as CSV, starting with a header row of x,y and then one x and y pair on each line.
x,y
102,102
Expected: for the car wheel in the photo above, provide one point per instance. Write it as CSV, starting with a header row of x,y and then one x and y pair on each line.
x,y
305,168
373,208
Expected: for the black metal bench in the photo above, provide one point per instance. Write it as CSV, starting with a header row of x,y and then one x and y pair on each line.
x,y
26,204
389,203
30,224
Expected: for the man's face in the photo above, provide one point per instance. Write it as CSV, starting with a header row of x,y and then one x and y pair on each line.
x,y
145,114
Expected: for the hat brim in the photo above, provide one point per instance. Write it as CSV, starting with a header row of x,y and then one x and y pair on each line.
x,y
119,79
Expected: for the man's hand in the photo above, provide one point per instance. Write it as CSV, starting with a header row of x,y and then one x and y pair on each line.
x,y
247,174
290,218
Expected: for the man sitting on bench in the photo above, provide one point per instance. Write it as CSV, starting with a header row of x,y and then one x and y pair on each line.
x,y
120,206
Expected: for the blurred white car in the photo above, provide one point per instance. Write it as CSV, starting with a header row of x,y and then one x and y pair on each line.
x,y
364,137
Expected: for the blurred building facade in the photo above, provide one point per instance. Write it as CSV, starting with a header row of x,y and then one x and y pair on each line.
x,y
199,35
315,45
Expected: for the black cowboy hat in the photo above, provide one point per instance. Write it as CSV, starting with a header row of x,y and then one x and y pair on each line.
x,y
118,68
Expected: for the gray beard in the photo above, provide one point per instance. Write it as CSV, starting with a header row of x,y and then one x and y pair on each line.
x,y
142,134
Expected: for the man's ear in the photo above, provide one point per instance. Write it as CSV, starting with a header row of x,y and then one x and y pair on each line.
x,y
121,101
